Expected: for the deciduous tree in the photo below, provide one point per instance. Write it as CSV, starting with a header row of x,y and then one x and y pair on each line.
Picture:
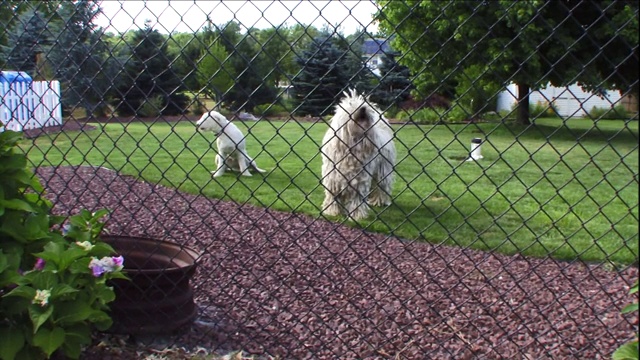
x,y
531,43
216,74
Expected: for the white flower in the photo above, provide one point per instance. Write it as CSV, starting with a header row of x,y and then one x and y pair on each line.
x,y
42,297
85,245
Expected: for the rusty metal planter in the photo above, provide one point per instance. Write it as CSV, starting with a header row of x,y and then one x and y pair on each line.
x,y
159,298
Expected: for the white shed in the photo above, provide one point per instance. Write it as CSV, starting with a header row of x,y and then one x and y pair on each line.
x,y
570,101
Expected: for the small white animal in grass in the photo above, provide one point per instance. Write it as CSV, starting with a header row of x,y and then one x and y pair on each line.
x,y
232,151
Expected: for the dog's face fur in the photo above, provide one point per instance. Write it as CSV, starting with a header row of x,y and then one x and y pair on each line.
x,y
354,117
212,121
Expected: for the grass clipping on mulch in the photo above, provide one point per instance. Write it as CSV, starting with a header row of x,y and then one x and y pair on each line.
x,y
112,346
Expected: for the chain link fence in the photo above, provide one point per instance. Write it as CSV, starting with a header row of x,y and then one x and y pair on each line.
x,y
505,135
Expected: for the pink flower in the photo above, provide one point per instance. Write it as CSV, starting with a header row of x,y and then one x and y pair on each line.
x,y
105,265
39,264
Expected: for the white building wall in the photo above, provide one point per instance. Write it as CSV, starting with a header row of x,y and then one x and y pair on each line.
x,y
570,101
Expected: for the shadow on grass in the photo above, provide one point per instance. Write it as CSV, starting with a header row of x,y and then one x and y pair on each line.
x,y
605,131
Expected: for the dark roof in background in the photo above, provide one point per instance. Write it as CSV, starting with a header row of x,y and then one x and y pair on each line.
x,y
375,46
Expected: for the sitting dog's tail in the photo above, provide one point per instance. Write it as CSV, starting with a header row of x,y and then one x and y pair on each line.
x,y
253,164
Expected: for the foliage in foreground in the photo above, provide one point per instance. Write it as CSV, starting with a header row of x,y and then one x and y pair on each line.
x,y
629,351
53,278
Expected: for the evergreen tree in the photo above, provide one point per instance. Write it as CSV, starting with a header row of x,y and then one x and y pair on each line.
x,y
395,83
360,76
78,55
147,78
26,39
11,18
322,77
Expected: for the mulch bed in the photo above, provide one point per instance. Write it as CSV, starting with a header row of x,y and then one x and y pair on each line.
x,y
277,284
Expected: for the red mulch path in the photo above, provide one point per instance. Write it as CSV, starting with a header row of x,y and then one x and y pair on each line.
x,y
278,284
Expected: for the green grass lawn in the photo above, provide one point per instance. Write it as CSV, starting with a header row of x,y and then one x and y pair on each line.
x,y
566,191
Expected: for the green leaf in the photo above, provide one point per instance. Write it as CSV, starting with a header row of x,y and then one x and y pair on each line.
x,y
628,351
10,138
26,292
630,308
39,315
12,226
56,219
62,289
78,221
49,340
15,162
37,226
101,320
26,178
100,213
52,252
44,279
11,341
69,256
72,312
30,353
77,336
80,266
16,204
106,294
35,198
101,249
4,262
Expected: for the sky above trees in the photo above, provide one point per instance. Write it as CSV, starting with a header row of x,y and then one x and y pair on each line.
x,y
190,16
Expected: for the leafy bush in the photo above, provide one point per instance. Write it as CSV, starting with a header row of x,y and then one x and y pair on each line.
x,y
542,109
500,116
196,107
392,112
175,104
53,278
270,110
151,107
614,113
457,113
629,351
454,114
422,116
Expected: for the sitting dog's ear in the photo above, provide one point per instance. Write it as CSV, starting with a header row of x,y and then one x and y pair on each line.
x,y
361,115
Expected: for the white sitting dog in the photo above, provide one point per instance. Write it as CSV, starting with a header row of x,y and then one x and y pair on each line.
x,y
358,157
232,152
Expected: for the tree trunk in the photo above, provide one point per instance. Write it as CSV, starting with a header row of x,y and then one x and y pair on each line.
x,y
523,104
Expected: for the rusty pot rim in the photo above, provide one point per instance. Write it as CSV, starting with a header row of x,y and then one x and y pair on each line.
x,y
181,251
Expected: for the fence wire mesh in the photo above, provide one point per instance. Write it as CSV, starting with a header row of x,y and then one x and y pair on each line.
x,y
475,196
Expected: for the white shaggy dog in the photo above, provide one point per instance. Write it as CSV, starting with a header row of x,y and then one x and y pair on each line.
x,y
358,157
232,152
